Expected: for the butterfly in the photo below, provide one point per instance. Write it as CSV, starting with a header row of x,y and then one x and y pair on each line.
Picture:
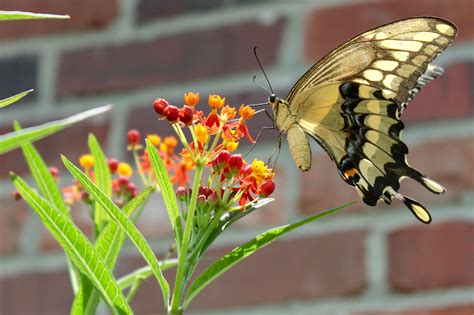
x,y
351,102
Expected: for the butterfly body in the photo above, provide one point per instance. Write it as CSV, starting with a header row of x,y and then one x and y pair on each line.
x,y
351,103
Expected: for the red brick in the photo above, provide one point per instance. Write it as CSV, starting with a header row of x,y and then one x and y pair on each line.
x,y
185,56
12,217
296,269
450,162
72,142
86,15
325,31
465,309
425,258
449,96
148,9
36,293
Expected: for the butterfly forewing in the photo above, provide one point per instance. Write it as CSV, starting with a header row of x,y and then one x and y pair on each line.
x,y
391,58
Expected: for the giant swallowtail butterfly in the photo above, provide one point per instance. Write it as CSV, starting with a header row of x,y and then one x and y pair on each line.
x,y
351,101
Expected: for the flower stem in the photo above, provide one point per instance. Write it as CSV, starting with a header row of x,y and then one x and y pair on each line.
x,y
139,168
179,282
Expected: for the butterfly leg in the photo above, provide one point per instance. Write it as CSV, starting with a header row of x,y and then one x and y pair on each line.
x,y
278,146
258,137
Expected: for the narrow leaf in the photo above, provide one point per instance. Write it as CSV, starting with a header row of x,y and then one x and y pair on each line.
x,y
43,177
77,246
121,219
104,182
16,139
48,187
15,98
108,246
18,15
167,191
239,253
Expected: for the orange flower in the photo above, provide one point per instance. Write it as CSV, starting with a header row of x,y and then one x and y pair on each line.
x,y
228,112
154,139
170,142
246,112
191,99
215,101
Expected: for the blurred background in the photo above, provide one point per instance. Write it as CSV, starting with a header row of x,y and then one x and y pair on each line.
x,y
363,260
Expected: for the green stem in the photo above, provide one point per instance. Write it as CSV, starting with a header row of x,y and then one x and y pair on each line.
x,y
179,132
179,283
144,273
134,288
139,168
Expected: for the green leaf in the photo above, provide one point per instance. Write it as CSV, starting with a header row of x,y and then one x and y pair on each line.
x,y
43,178
121,219
104,182
16,139
14,98
167,191
77,246
108,245
239,253
47,186
18,15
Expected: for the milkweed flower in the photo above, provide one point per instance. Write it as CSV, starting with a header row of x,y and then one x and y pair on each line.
x,y
191,99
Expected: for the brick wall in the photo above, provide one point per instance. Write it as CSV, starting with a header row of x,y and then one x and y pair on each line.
x,y
361,261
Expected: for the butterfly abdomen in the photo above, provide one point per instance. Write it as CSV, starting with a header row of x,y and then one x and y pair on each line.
x,y
299,147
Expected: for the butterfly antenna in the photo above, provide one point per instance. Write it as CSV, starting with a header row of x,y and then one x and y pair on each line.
x,y
254,79
261,67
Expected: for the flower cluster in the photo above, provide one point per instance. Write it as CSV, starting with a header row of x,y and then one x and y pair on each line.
x,y
232,183
207,142
122,186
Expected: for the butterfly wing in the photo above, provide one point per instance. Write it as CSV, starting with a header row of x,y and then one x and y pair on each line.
x,y
391,58
351,101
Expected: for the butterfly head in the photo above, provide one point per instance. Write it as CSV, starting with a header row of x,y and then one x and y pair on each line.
x,y
273,99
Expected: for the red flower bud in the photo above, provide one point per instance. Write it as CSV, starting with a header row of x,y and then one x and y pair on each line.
x,y
159,105
131,188
54,171
171,113
212,199
16,195
235,163
113,165
206,191
181,193
201,200
185,115
267,188
133,137
85,196
123,181
223,159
